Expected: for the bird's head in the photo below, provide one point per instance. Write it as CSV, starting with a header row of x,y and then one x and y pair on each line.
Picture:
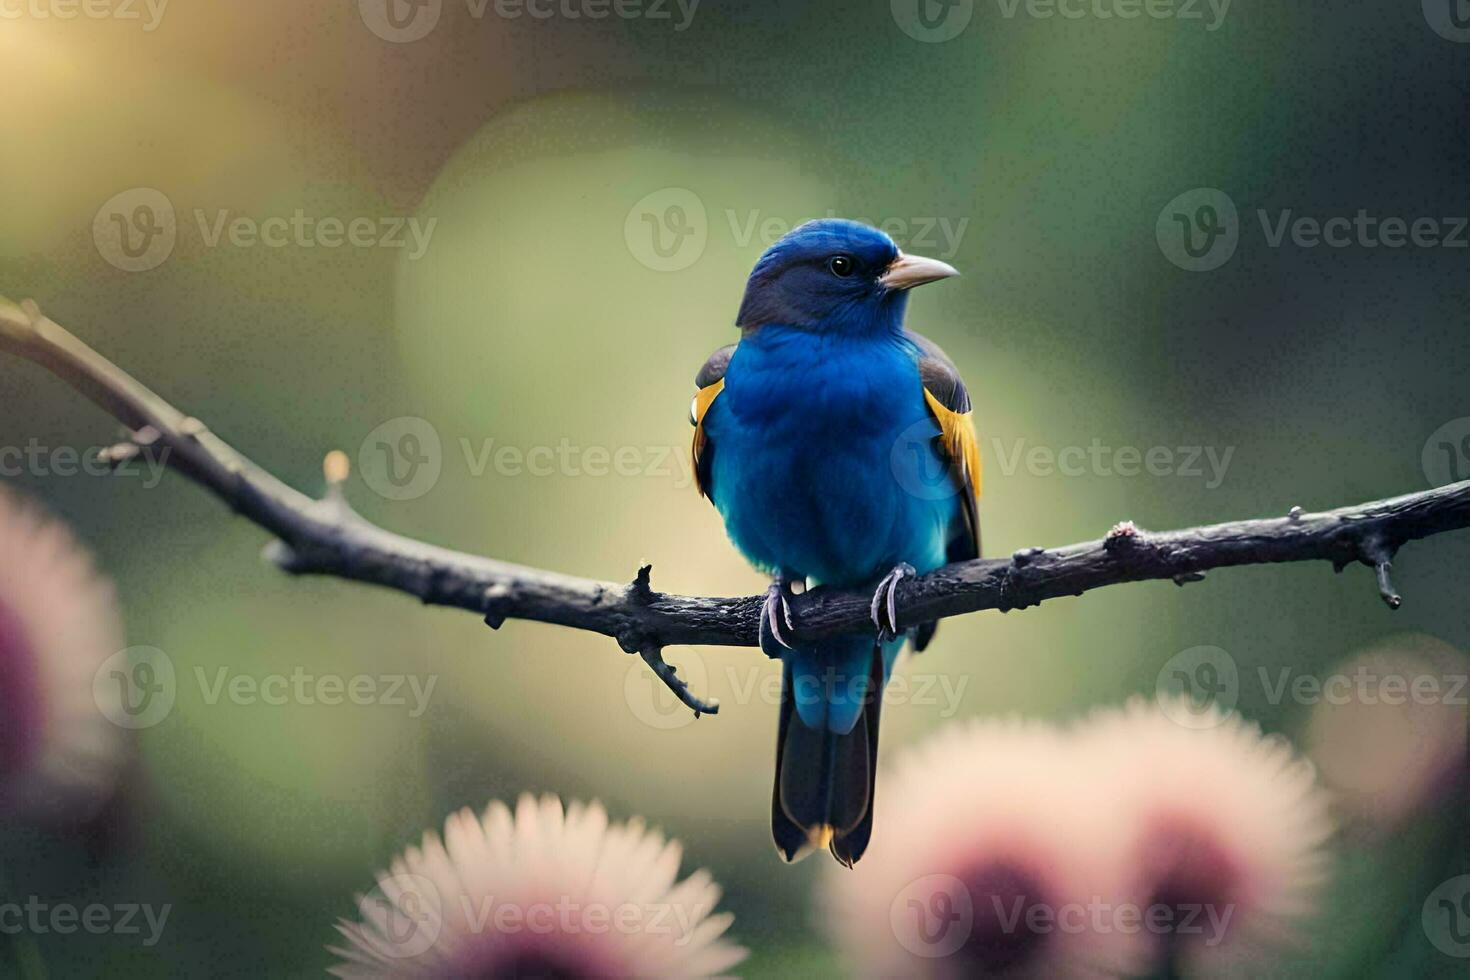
x,y
835,275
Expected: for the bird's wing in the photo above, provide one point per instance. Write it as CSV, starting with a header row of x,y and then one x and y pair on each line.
x,y
949,403
710,381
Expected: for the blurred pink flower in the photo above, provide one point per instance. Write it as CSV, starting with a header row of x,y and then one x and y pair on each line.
x,y
539,893
1228,832
59,755
1389,732
1000,857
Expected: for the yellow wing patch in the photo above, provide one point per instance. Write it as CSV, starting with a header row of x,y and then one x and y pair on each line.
x,y
957,433
703,399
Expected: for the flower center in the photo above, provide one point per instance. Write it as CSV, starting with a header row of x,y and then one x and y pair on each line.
x,y
20,702
537,964
1194,879
1006,932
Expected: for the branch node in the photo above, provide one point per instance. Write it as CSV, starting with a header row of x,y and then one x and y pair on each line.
x,y
1184,578
115,456
494,602
1124,534
128,450
281,555
1024,555
653,655
640,590
1295,514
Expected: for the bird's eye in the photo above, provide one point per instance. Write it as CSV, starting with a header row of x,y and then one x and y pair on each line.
x,y
842,266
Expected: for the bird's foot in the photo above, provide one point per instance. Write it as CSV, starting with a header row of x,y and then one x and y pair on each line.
x,y
884,609
776,614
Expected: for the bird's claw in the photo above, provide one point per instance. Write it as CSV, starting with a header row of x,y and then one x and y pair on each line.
x,y
885,601
775,610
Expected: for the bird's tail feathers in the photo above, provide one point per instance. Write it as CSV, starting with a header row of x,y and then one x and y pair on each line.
x,y
823,795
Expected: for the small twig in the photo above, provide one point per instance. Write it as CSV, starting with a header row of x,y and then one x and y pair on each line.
x,y
654,657
325,537
1379,553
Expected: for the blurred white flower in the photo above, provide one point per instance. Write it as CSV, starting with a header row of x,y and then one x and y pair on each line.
x,y
59,755
539,893
1228,833
998,857
1389,733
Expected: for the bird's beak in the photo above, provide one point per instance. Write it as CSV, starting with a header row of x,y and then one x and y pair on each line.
x,y
908,271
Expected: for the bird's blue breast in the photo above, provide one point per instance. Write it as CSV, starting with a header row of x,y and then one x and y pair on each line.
x,y
824,465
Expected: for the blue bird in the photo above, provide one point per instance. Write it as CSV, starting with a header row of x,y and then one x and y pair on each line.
x,y
839,449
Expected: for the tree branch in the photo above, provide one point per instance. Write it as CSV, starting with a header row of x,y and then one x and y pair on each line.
x,y
326,537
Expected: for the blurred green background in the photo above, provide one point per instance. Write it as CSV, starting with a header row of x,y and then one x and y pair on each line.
x,y
541,157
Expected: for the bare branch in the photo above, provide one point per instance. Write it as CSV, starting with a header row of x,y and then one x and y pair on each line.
x,y
326,537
